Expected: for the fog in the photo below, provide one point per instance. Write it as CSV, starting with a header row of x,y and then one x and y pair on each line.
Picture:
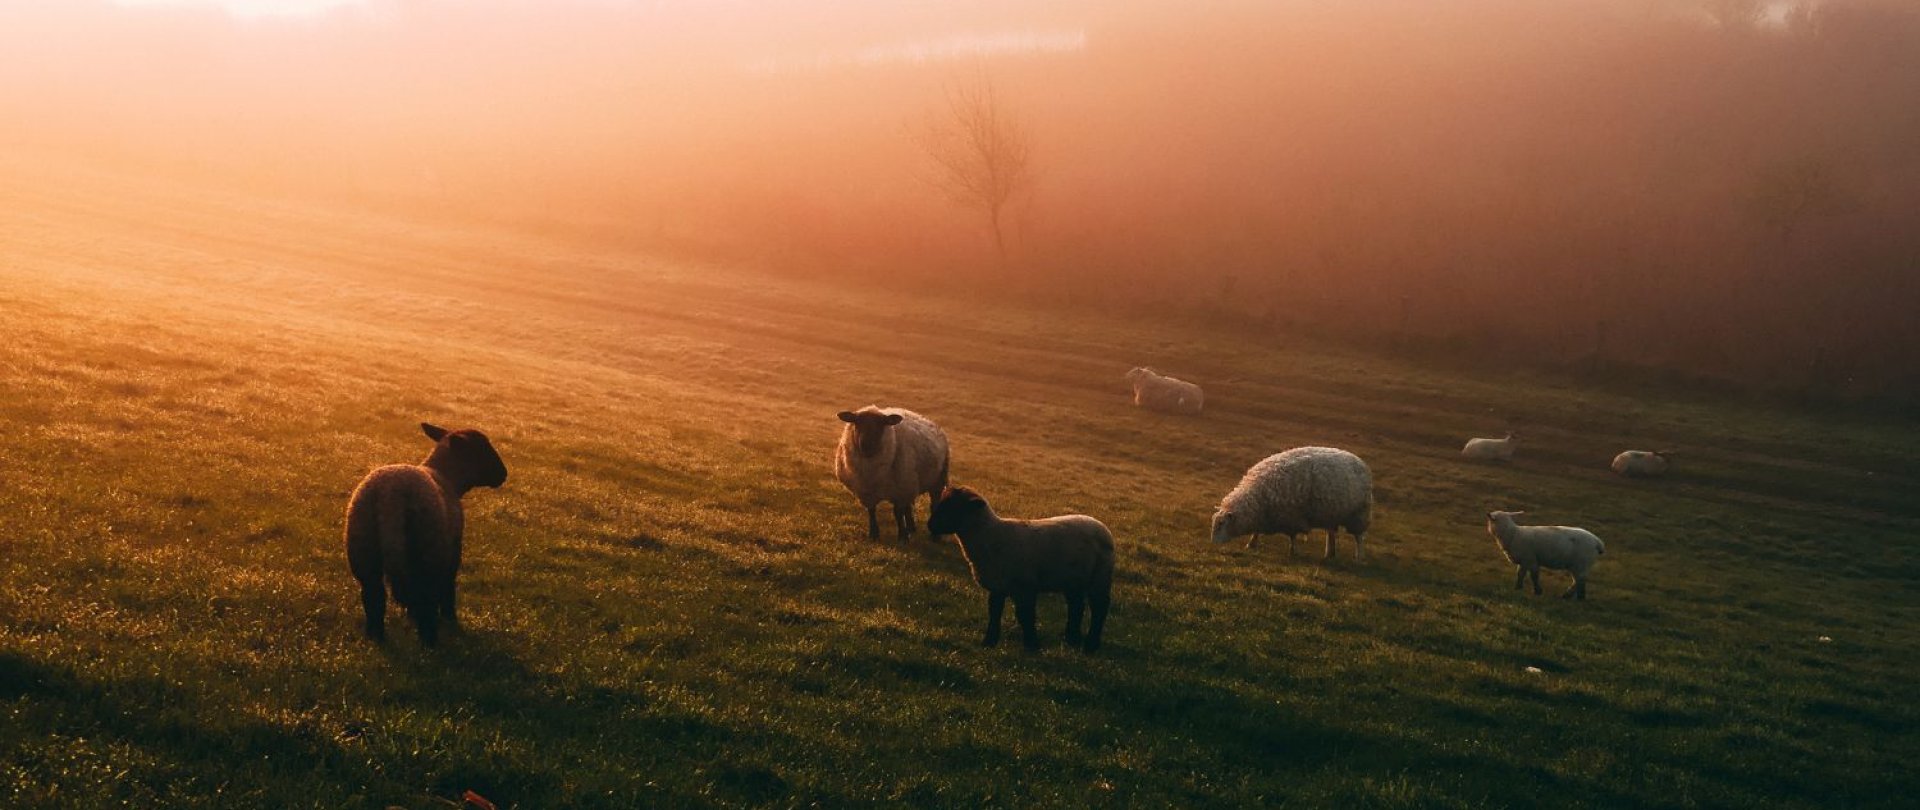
x,y
1718,189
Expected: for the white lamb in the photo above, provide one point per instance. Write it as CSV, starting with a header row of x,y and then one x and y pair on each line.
x,y
1297,491
1491,449
1641,464
1155,391
893,455
1561,548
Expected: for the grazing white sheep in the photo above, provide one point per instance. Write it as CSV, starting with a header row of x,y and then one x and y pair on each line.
x,y
1155,391
1491,449
1561,548
1070,555
1297,491
1641,463
892,455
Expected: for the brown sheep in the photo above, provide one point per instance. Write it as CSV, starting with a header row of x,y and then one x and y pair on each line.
x,y
1070,555
404,523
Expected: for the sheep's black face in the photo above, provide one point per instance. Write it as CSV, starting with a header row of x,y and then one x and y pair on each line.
x,y
477,454
467,454
957,509
870,428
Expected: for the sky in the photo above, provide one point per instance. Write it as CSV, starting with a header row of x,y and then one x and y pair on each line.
x,y
253,8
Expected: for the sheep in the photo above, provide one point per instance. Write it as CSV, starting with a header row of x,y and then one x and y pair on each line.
x,y
1297,491
1491,449
1069,554
1161,393
893,455
404,524
1642,463
1561,548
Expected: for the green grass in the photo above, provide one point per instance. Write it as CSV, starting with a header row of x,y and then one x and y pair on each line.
x,y
672,603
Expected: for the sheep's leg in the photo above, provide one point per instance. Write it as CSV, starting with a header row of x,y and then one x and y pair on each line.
x,y
1251,540
1578,590
1535,572
1076,607
996,605
1099,599
1331,534
373,598
1360,547
1519,577
907,523
1293,545
1024,604
427,620
446,603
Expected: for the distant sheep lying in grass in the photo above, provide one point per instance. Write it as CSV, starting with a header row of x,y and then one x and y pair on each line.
x,y
1154,391
1297,491
1561,548
404,524
892,455
1491,449
1641,463
1071,555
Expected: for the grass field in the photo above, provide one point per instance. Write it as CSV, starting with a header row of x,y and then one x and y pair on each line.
x,y
672,603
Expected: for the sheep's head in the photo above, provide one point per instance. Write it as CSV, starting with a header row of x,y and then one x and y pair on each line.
x,y
1496,519
870,427
1227,525
957,509
466,456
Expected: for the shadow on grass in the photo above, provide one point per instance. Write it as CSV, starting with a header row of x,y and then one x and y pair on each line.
x,y
176,726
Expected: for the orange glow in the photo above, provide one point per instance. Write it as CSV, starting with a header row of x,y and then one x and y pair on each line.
x,y
1359,167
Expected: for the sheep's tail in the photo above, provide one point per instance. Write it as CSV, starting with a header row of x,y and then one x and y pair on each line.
x,y
396,557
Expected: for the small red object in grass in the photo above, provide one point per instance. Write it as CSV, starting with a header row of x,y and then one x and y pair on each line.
x,y
477,800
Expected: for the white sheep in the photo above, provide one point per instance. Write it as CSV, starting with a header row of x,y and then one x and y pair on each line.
x,y
892,455
1491,449
1561,548
1155,391
1297,491
1641,463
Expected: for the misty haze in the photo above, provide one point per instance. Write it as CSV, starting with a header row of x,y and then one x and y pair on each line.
x,y
622,403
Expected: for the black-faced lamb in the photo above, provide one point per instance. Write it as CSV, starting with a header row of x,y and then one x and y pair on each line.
x,y
1155,391
1070,555
1531,548
404,526
1297,491
892,455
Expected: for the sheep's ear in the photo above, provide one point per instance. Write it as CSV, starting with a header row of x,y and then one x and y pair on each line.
x,y
433,431
846,416
894,419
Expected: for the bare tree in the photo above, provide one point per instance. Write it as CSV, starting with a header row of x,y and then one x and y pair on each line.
x,y
981,154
